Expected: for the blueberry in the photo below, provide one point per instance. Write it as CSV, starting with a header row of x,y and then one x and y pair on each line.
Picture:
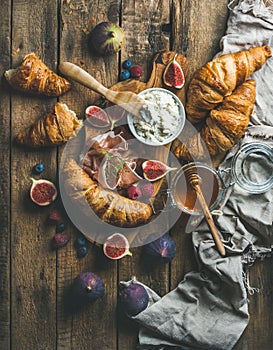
x,y
39,168
60,227
82,251
124,75
127,64
80,241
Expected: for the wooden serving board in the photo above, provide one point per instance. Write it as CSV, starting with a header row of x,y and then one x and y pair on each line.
x,y
160,61
159,64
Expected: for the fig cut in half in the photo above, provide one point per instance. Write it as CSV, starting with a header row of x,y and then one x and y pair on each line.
x,y
115,113
154,170
116,246
173,75
97,117
42,192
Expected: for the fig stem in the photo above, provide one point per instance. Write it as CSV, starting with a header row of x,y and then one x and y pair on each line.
x,y
112,124
174,57
129,253
112,34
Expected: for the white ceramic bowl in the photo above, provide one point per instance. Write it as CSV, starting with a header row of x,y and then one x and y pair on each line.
x,y
179,126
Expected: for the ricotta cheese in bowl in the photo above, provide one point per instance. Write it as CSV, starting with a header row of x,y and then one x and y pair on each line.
x,y
164,118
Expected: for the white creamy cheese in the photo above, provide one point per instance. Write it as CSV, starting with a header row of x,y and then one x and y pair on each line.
x,y
164,111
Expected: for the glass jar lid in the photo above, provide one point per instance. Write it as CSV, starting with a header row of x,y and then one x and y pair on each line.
x,y
252,167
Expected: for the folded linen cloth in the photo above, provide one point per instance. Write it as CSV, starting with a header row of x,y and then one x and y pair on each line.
x,y
208,309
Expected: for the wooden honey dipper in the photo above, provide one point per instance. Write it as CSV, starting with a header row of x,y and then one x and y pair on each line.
x,y
195,180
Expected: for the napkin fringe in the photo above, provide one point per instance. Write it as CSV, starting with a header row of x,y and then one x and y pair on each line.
x,y
248,260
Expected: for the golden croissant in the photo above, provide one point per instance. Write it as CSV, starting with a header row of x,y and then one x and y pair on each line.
x,y
35,77
109,206
219,78
55,128
224,127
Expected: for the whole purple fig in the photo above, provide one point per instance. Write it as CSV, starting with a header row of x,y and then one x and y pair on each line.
x,y
107,38
164,248
88,287
134,298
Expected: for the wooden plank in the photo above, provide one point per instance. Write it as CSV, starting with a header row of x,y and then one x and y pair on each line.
x,y
93,327
33,263
142,22
258,334
199,41
5,30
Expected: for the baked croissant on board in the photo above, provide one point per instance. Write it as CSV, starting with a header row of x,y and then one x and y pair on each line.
x,y
224,127
219,78
109,206
35,77
55,128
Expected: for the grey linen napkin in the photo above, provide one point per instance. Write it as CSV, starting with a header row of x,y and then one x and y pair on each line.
x,y
208,309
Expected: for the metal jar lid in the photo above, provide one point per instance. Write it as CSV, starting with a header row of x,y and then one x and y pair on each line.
x,y
252,167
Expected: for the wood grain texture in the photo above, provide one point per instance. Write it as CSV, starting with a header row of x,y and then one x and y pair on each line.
x,y
93,327
5,30
36,310
258,334
33,263
199,41
143,41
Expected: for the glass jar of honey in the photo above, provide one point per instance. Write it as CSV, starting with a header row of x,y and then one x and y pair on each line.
x,y
251,169
211,184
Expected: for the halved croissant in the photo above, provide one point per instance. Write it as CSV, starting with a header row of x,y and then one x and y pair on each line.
x,y
55,128
219,78
224,127
35,77
109,206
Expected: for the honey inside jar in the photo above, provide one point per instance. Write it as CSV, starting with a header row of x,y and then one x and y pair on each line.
x,y
184,194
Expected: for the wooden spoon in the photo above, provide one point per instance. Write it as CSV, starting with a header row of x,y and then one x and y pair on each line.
x,y
130,101
195,180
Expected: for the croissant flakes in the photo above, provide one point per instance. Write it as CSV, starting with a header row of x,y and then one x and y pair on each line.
x,y
224,127
35,77
219,78
109,206
55,128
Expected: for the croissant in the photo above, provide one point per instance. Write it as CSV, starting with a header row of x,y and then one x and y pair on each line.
x,y
35,77
219,78
55,128
224,127
109,206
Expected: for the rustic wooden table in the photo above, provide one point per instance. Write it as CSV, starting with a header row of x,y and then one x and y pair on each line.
x,y
34,279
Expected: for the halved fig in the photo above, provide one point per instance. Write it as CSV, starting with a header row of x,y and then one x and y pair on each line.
x,y
154,170
43,192
97,117
173,75
116,246
115,113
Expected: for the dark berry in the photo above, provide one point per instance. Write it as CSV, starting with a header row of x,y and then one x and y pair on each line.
x,y
127,64
60,227
60,240
135,71
80,241
82,251
134,192
124,75
39,168
55,215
